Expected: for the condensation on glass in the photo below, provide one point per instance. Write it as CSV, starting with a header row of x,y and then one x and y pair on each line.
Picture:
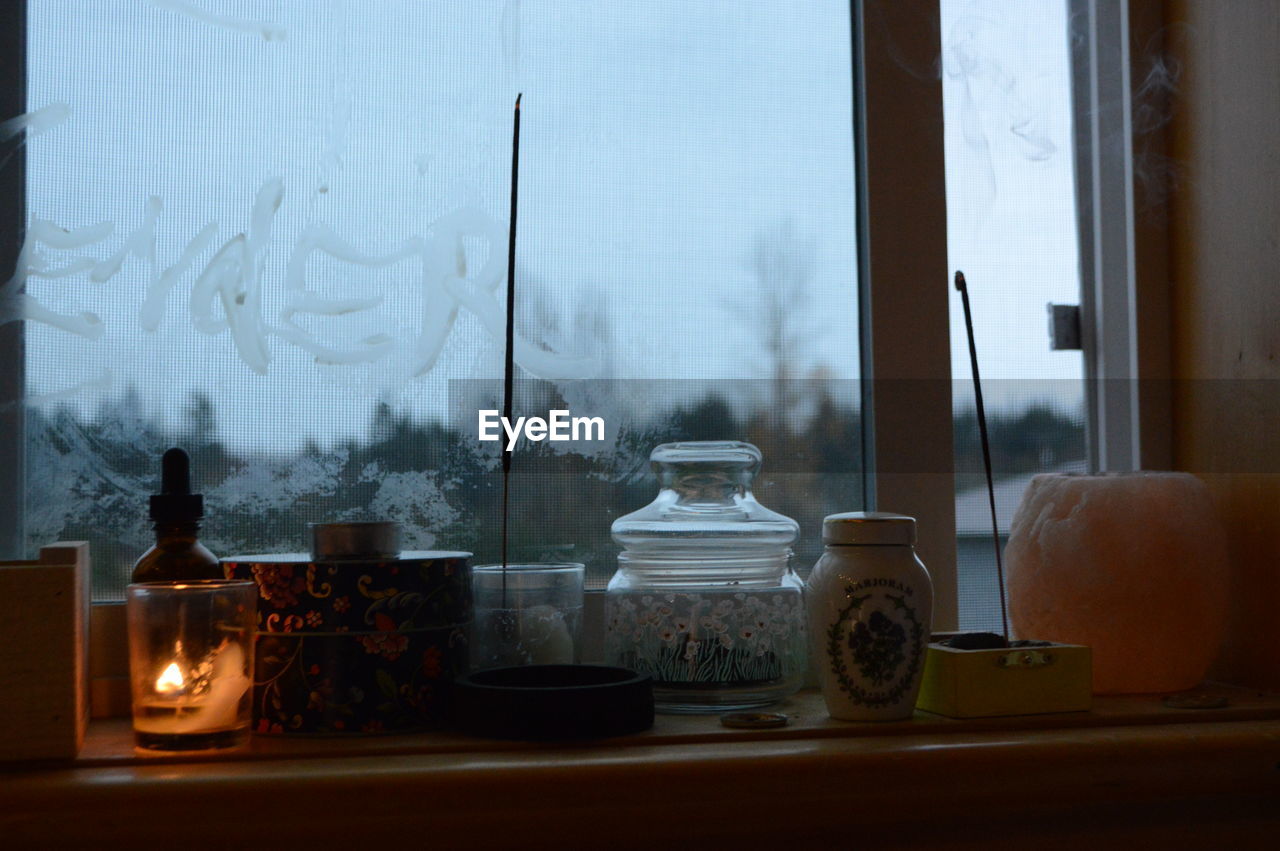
x,y
275,234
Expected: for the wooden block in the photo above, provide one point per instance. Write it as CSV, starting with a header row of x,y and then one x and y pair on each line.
x,y
109,692
44,694
1006,681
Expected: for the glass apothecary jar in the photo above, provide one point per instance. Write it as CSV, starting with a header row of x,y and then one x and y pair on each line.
x,y
704,599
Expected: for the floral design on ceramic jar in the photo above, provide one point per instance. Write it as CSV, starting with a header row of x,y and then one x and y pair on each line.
x,y
885,643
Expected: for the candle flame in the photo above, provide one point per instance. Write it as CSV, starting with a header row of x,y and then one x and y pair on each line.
x,y
171,680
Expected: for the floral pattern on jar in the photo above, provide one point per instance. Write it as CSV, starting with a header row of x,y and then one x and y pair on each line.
x,y
719,638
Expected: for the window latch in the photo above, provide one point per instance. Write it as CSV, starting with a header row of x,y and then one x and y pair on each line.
x,y
1064,327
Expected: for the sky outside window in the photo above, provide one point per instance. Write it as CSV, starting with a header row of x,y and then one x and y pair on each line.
x,y
308,204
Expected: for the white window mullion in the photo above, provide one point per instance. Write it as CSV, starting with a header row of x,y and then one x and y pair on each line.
x,y
1104,180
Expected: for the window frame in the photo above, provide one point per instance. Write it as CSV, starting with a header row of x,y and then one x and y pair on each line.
x,y
13,203
1123,232
908,454
904,281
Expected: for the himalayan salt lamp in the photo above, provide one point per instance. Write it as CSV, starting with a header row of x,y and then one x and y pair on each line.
x,y
1132,564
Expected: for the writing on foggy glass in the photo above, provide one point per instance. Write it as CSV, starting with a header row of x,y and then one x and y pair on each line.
x,y
232,278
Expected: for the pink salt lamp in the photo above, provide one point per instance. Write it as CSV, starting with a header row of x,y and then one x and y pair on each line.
x,y
1132,564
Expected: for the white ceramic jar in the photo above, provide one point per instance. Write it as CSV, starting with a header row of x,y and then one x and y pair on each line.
x,y
870,607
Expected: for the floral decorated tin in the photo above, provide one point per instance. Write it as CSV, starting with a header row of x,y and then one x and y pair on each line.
x,y
356,645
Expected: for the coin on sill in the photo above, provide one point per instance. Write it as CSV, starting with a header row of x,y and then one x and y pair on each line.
x,y
754,720
1196,700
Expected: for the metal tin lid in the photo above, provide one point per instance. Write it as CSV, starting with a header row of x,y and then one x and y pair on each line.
x,y
869,528
374,539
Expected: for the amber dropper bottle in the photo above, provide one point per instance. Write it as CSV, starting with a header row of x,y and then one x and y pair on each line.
x,y
176,511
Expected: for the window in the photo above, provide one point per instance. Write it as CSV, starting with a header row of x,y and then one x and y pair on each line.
x,y
687,173
1041,208
1012,227
274,233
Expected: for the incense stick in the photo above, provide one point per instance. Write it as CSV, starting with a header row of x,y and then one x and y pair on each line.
x,y
986,448
509,366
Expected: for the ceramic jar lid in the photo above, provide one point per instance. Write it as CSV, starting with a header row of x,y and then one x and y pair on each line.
x,y
869,528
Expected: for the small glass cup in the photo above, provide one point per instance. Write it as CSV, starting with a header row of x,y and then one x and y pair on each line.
x,y
534,619
191,663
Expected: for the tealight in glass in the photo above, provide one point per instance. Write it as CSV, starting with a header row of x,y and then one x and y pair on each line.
x,y
527,614
191,663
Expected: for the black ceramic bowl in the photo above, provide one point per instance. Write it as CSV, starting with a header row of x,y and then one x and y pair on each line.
x,y
548,702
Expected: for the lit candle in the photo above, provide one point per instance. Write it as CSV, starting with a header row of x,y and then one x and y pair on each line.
x,y
171,680
190,654
197,704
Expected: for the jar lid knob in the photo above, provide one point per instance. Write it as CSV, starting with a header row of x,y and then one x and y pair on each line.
x,y
869,528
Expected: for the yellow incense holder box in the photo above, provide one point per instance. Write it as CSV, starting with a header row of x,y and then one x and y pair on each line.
x,y
1005,680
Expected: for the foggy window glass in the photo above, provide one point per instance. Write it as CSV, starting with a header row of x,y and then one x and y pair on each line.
x,y
1011,227
274,233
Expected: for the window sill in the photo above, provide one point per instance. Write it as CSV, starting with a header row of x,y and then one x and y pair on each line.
x,y
1129,765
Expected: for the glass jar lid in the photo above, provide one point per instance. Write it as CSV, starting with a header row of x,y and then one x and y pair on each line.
x,y
872,528
705,503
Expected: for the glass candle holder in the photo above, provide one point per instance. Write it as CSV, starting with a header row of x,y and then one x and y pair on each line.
x,y
535,618
191,663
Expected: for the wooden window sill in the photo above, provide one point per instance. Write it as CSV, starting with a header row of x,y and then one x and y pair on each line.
x,y
1129,765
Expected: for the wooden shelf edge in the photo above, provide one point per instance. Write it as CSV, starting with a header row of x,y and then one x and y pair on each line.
x,y
646,793
1126,760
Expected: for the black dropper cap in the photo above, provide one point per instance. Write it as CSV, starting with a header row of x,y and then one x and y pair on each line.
x,y
176,503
